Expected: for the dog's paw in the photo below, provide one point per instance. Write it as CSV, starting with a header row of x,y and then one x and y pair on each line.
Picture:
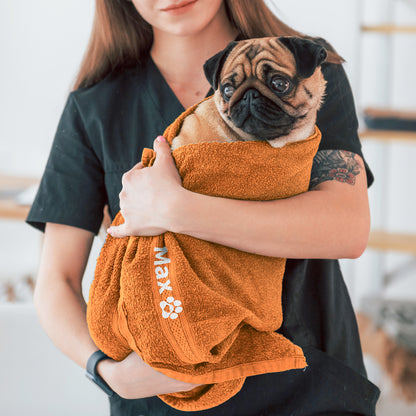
x,y
173,306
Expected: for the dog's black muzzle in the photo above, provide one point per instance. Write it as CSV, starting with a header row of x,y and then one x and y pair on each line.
x,y
260,117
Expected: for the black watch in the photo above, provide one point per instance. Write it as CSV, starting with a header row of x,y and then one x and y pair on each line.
x,y
94,376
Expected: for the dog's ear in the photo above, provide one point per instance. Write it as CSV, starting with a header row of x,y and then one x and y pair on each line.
x,y
308,54
213,66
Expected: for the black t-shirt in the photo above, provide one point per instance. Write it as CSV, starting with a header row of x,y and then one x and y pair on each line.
x,y
101,135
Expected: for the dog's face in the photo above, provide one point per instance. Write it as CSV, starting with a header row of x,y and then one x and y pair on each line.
x,y
268,87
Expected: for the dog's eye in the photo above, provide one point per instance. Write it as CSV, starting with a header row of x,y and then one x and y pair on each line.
x,y
280,84
228,91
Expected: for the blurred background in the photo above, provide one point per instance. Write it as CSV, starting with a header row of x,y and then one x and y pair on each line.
x,y
41,46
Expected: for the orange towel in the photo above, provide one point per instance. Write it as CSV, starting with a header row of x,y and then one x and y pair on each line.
x,y
198,311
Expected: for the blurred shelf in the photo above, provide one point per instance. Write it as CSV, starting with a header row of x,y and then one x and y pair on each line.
x,y
10,188
388,135
389,124
13,182
389,113
12,211
389,29
387,241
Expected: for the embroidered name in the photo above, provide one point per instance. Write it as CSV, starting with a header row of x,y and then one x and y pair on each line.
x,y
170,307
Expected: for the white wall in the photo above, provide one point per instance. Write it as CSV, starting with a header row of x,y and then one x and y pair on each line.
x,y
41,45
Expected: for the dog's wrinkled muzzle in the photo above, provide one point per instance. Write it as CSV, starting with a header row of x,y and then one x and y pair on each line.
x,y
257,115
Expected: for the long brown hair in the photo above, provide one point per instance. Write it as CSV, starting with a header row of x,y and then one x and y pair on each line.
x,y
121,38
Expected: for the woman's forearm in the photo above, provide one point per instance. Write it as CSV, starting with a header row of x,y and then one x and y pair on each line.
x,y
331,221
58,295
63,318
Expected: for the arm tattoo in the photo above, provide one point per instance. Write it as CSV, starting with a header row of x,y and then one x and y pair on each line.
x,y
334,165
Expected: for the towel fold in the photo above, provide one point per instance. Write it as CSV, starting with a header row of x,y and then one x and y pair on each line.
x,y
194,310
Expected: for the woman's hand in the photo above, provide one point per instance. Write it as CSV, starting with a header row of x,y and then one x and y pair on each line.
x,y
132,378
148,195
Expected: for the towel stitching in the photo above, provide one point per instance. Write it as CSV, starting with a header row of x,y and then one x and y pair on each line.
x,y
170,326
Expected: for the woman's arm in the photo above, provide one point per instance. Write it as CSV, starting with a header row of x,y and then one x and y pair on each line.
x,y
330,221
62,311
58,295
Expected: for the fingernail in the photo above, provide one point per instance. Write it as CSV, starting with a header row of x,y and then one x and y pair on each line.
x,y
160,139
109,230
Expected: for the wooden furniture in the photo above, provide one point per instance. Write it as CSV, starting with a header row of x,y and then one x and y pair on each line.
x,y
381,239
388,29
388,135
10,189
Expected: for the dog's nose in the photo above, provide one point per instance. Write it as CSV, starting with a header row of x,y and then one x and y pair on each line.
x,y
251,94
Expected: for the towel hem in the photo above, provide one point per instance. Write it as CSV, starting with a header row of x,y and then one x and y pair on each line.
x,y
238,371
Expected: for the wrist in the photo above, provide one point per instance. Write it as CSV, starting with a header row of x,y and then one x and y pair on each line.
x,y
97,360
177,211
105,369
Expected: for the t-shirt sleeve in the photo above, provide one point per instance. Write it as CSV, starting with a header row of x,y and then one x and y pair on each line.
x,y
72,190
337,118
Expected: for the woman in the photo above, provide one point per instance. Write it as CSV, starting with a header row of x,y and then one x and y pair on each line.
x,y
142,68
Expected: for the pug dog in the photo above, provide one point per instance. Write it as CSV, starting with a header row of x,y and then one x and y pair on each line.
x,y
264,89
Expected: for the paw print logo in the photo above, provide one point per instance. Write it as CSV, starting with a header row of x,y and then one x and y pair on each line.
x,y
171,308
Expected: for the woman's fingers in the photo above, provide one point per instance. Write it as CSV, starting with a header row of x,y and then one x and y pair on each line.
x,y
146,192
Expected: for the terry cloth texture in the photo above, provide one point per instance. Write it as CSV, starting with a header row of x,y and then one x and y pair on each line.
x,y
198,311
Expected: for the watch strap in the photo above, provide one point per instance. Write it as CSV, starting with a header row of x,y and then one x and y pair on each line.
x,y
93,375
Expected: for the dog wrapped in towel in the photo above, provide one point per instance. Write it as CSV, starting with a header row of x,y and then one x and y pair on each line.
x,y
198,311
